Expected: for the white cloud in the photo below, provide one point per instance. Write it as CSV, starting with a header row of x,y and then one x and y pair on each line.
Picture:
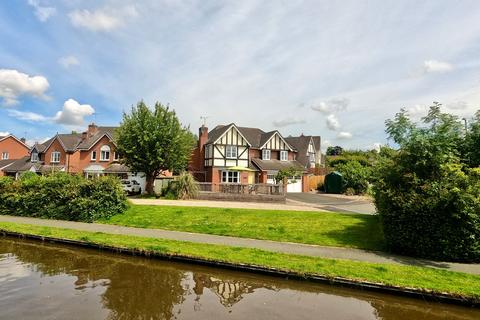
x,y
332,122
417,110
27,116
332,106
344,135
73,113
68,61
287,122
457,105
31,142
14,84
4,133
431,66
43,13
105,19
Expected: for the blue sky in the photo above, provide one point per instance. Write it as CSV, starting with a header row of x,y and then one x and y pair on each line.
x,y
337,69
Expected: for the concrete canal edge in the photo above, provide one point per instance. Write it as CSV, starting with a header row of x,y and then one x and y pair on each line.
x,y
338,281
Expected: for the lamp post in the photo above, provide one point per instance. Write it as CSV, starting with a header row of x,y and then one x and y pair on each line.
x,y
466,125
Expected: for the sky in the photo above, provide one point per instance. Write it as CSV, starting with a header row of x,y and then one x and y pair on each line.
x,y
337,69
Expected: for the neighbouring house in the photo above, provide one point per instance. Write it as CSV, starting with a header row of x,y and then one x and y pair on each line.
x,y
91,153
308,150
11,149
242,155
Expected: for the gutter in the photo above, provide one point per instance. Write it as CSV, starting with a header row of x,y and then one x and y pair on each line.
x,y
415,293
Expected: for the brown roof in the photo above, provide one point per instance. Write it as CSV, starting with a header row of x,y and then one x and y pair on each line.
x,y
70,140
22,164
89,142
117,168
275,165
301,144
5,163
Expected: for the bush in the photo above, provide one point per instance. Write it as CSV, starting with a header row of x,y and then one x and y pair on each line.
x,y
356,177
184,187
427,198
321,186
62,196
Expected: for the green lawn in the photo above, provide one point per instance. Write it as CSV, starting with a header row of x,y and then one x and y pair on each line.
x,y
321,228
460,284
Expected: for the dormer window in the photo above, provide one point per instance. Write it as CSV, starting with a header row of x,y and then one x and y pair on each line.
x,y
55,157
34,156
231,152
105,153
266,154
283,155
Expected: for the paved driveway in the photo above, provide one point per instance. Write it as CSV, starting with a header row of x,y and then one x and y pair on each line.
x,y
331,202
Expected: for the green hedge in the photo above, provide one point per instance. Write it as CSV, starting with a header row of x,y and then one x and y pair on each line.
x,y
62,196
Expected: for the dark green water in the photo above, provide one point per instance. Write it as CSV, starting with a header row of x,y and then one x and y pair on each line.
x,y
47,281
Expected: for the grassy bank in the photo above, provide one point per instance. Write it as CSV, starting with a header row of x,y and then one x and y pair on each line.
x,y
320,228
405,276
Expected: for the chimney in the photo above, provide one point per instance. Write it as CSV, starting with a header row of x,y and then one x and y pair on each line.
x,y
202,137
23,140
84,135
92,129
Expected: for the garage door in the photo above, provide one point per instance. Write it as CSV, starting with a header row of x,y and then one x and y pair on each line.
x,y
294,185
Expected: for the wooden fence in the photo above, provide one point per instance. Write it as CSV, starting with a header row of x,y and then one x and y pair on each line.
x,y
313,181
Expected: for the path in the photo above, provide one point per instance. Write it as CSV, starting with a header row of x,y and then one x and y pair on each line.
x,y
283,247
331,202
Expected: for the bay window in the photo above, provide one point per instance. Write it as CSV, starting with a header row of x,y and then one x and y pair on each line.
x,y
230,177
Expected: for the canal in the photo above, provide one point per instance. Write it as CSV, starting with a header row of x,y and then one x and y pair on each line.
x,y
51,281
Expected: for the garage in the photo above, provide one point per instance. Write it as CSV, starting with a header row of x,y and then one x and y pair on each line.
x,y
294,184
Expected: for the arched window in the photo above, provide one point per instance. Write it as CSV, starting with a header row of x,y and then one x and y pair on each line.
x,y
105,153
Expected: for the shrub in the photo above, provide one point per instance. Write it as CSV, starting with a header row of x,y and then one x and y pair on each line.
x,y
356,177
185,187
427,198
321,186
62,196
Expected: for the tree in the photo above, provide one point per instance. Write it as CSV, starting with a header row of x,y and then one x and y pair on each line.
x,y
334,151
152,141
428,199
472,142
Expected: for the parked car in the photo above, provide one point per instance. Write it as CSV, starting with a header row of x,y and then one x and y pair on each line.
x,y
131,187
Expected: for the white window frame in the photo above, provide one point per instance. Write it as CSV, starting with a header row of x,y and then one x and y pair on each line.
x,y
5,155
55,157
93,155
230,176
311,157
283,155
34,157
104,152
266,154
231,152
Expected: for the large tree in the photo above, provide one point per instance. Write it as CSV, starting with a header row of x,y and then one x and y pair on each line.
x,y
153,140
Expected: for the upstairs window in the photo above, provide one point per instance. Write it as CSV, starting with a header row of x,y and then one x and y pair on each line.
x,y
4,155
283,155
116,157
55,157
266,154
231,152
93,156
34,157
105,153
312,157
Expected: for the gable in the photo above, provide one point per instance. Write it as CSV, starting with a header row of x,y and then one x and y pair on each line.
x,y
232,136
276,142
12,141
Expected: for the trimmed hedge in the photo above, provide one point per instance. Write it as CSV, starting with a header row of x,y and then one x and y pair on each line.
x,y
62,196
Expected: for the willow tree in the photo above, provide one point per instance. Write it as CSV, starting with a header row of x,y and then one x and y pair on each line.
x,y
153,140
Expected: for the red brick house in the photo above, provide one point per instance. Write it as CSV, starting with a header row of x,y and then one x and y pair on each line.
x,y
242,155
11,149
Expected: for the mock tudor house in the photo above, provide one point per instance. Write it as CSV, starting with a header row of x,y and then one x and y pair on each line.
x,y
91,153
242,155
308,150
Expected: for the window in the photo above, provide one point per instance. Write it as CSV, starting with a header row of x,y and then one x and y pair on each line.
x,y
105,153
4,155
283,155
231,152
116,156
34,157
93,156
312,157
266,154
55,157
230,176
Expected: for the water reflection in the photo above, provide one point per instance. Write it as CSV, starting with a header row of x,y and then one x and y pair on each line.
x,y
40,281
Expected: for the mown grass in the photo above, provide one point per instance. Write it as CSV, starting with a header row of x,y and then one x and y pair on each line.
x,y
460,284
320,228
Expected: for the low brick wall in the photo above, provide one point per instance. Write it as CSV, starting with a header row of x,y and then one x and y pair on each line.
x,y
241,197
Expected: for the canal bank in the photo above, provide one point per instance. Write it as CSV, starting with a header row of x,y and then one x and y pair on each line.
x,y
418,282
43,280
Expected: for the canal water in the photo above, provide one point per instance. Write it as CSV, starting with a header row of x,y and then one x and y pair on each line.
x,y
51,281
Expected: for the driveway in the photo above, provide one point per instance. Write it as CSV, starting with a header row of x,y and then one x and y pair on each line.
x,y
331,202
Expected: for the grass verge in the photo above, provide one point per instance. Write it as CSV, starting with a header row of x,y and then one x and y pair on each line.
x,y
428,279
320,228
